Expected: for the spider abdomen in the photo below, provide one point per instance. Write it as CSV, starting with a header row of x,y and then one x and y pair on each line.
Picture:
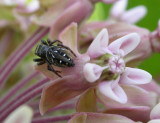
x,y
59,57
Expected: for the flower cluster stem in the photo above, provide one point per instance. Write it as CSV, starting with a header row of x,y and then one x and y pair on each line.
x,y
16,87
24,97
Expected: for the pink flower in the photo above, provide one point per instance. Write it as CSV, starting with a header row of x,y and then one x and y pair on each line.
x,y
101,65
116,51
118,12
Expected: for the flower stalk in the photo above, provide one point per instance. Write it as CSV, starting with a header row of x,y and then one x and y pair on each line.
x,y
16,87
30,93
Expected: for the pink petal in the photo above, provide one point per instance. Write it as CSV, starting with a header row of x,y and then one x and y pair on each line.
x,y
74,13
23,114
155,113
134,15
139,113
87,102
118,8
99,118
135,76
115,93
125,44
136,97
99,45
60,91
92,72
69,37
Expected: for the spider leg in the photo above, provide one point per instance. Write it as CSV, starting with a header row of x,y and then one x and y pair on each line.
x,y
50,68
37,59
49,41
67,49
43,42
56,41
41,62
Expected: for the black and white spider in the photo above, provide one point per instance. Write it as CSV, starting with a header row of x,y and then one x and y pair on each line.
x,y
54,53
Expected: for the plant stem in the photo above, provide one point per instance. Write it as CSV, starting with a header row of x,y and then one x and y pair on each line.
x,y
24,97
16,88
21,101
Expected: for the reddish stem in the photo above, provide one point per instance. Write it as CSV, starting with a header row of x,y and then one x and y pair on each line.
x,y
16,88
24,97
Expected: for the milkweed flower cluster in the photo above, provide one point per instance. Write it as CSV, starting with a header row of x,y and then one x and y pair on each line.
x,y
104,85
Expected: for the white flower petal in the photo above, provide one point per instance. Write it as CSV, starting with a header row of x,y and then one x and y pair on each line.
x,y
126,44
92,72
135,76
99,46
155,113
116,93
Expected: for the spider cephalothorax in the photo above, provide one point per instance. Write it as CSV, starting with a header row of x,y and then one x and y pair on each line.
x,y
54,53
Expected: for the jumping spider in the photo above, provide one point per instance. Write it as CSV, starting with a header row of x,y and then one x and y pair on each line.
x,y
54,53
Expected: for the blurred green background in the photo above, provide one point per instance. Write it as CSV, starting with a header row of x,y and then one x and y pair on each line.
x,y
150,21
